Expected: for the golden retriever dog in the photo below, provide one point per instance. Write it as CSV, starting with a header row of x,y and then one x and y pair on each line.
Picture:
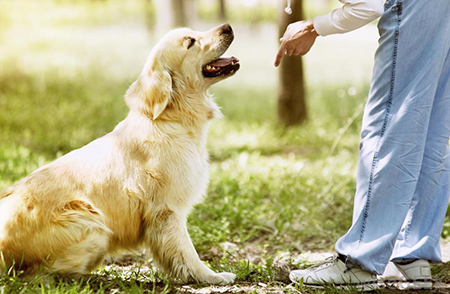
x,y
134,187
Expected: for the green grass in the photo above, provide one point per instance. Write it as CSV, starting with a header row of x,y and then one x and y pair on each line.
x,y
272,189
109,279
274,192
284,173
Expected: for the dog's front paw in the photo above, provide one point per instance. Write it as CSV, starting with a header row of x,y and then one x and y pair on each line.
x,y
228,278
223,278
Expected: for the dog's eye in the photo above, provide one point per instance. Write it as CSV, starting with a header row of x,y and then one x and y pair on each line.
x,y
191,42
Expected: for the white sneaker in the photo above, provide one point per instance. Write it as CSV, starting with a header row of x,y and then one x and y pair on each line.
x,y
412,276
334,272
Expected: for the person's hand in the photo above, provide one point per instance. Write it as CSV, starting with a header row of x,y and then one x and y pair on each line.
x,y
297,40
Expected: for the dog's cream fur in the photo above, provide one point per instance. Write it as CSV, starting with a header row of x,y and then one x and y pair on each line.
x,y
132,188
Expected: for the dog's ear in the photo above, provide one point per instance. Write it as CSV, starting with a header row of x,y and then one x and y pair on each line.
x,y
159,90
152,92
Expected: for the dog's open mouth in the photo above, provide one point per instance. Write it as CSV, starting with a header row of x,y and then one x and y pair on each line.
x,y
222,66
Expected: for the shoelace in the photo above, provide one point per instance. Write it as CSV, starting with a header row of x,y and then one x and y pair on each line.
x,y
328,261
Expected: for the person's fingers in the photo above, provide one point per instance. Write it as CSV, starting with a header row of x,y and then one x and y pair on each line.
x,y
287,35
302,50
280,54
290,48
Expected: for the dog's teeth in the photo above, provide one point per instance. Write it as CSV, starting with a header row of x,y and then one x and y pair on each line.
x,y
233,63
214,68
208,67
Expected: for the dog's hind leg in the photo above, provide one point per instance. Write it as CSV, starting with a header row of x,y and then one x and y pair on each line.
x,y
81,258
172,249
72,241
87,239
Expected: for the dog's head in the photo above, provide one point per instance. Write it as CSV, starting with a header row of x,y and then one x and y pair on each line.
x,y
182,66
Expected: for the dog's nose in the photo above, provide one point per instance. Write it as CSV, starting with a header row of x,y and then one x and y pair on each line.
x,y
226,29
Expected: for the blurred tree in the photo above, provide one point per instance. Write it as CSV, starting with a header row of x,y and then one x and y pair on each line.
x,y
222,10
174,13
190,11
291,89
180,19
150,15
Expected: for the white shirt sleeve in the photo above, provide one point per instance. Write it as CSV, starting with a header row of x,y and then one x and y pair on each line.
x,y
352,15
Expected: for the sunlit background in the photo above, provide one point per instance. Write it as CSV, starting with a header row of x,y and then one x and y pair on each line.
x,y
91,50
274,191
65,66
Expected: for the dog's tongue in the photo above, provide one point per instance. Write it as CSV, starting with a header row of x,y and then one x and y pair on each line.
x,y
223,61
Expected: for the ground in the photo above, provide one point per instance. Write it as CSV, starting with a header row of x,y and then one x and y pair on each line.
x,y
278,197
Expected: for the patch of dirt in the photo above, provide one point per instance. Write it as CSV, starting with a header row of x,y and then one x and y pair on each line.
x,y
239,288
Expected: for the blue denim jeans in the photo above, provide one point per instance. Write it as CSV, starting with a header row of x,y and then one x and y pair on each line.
x,y
403,178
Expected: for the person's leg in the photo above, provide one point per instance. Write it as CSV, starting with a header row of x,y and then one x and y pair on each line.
x,y
419,237
414,41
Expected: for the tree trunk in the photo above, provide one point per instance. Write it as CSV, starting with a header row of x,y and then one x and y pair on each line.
x,y
150,15
291,90
174,13
190,12
163,17
184,13
179,13
222,10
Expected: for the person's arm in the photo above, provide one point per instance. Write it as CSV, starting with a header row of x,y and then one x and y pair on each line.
x,y
300,36
352,15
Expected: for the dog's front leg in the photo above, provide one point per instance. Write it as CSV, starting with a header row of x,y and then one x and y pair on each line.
x,y
173,250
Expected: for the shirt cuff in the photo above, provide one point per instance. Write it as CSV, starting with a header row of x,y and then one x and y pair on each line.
x,y
324,25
